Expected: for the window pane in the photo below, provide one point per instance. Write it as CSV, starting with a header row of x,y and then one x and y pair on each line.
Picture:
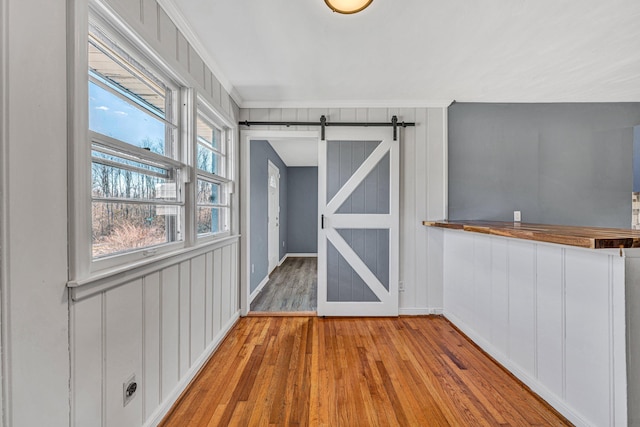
x,y
209,193
209,135
125,73
123,227
112,116
209,161
211,220
111,181
100,153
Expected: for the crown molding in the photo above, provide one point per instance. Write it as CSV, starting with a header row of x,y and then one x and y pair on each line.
x,y
185,28
349,104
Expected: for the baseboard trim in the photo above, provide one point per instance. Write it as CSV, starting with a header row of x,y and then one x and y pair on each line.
x,y
418,311
164,408
282,314
255,293
532,383
297,255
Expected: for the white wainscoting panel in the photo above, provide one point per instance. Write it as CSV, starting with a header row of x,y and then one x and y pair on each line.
x,y
170,327
123,352
208,309
550,317
522,304
185,317
151,351
551,314
198,298
160,327
217,291
87,362
482,285
499,307
588,310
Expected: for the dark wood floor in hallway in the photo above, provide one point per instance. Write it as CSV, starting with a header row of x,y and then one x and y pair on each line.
x,y
293,286
408,371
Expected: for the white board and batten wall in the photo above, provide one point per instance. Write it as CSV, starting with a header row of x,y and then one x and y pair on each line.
x,y
423,191
161,327
33,143
161,321
553,315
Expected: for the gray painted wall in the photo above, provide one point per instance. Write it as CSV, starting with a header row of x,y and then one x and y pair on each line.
x,y
557,163
302,209
370,197
261,152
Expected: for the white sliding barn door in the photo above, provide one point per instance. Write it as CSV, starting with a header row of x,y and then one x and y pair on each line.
x,y
358,249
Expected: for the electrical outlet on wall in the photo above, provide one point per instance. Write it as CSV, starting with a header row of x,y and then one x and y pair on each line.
x,y
129,388
517,216
401,286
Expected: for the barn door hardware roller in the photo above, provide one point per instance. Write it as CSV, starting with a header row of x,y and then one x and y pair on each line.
x,y
323,123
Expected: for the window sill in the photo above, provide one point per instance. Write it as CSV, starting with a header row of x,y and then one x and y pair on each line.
x,y
112,277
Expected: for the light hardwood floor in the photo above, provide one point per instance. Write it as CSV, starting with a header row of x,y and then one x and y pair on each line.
x,y
408,371
292,287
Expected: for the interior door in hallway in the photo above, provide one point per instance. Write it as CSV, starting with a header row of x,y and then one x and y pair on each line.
x,y
358,191
273,237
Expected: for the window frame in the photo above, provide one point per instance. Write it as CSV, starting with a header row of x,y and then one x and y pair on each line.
x,y
83,268
83,265
227,182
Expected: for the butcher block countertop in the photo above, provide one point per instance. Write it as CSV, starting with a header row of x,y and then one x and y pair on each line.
x,y
583,237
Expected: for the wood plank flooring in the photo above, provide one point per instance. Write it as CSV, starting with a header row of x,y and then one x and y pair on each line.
x,y
292,287
408,371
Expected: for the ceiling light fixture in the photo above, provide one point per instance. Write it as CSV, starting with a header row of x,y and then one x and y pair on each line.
x,y
347,6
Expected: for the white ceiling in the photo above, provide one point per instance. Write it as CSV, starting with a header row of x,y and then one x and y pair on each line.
x,y
416,52
297,152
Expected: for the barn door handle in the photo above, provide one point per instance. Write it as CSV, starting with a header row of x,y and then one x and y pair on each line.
x,y
322,221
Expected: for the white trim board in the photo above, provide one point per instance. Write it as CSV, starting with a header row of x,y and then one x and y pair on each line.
x,y
284,258
418,311
261,285
173,397
5,369
110,279
246,136
371,103
297,255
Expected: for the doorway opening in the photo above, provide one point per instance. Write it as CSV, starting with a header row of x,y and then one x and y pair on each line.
x,y
350,212
280,220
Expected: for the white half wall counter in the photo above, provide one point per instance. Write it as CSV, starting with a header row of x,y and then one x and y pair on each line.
x,y
563,319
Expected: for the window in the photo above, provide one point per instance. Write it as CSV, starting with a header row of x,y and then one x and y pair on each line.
x,y
136,172
213,175
152,164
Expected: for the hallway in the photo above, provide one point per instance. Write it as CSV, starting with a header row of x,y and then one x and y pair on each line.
x,y
292,287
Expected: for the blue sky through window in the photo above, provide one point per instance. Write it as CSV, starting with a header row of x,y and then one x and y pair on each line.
x,y
116,118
